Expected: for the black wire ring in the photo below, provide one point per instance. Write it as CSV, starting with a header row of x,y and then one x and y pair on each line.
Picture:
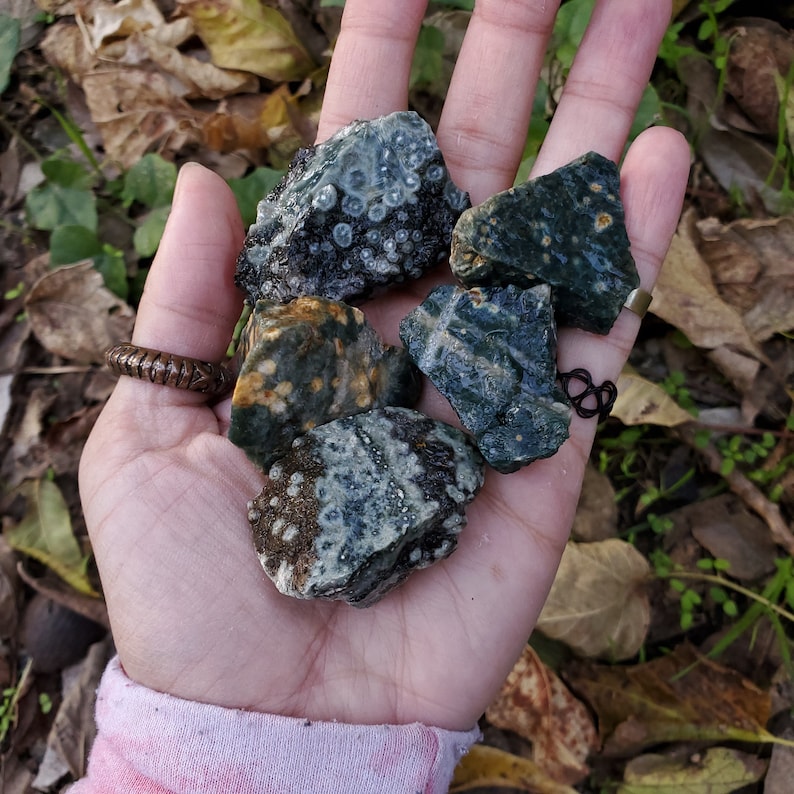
x,y
604,395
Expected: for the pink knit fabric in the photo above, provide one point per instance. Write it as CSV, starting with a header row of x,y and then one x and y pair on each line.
x,y
152,743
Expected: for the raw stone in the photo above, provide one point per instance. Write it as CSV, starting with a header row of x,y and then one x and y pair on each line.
x,y
360,502
306,363
566,229
371,206
491,351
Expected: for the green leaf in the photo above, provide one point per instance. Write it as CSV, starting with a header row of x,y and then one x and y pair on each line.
x,y
147,236
569,28
428,59
250,189
67,173
9,42
45,533
51,205
70,244
110,263
150,181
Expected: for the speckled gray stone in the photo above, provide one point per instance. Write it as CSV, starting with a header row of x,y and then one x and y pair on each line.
x,y
306,363
371,206
567,229
491,351
362,501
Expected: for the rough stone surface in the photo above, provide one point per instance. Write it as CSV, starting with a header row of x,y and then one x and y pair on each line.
x,y
566,229
360,502
371,206
491,351
306,363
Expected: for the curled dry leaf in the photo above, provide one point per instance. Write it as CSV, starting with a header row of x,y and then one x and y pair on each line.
x,y
537,705
752,264
486,766
597,512
74,315
250,36
760,51
685,296
678,697
641,401
598,605
719,770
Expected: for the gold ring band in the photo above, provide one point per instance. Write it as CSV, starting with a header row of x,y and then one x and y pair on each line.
x,y
167,369
638,301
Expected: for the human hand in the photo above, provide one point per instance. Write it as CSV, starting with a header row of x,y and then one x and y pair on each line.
x,y
164,492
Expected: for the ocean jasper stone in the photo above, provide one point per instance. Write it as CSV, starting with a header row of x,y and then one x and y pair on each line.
x,y
306,363
566,229
371,206
491,351
359,503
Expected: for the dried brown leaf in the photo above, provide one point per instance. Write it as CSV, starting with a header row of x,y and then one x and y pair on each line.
x,y
74,315
677,697
537,705
760,50
487,766
253,122
598,605
641,401
752,264
198,78
728,531
73,728
685,297
597,512
136,110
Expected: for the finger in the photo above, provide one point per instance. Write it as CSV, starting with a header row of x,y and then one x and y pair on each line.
x,y
606,81
486,114
653,180
190,305
371,62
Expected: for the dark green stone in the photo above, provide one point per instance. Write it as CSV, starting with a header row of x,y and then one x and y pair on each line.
x,y
566,229
491,351
306,363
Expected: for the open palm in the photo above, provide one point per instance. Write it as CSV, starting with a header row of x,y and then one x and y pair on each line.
x,y
164,491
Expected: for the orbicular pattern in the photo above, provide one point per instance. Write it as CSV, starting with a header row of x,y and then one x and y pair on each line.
x,y
360,502
371,206
491,351
566,229
306,363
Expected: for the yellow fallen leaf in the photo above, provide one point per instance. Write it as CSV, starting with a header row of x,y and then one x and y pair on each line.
x,y
249,36
598,604
720,770
45,533
487,766
641,401
536,704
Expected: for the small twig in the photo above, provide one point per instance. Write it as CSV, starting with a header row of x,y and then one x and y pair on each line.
x,y
744,489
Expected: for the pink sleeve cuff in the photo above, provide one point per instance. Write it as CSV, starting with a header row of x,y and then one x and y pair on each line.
x,y
153,743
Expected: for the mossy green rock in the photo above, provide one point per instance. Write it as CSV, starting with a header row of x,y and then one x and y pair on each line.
x,y
491,351
566,229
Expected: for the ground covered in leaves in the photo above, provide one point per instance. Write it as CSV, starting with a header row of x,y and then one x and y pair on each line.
x,y
663,658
